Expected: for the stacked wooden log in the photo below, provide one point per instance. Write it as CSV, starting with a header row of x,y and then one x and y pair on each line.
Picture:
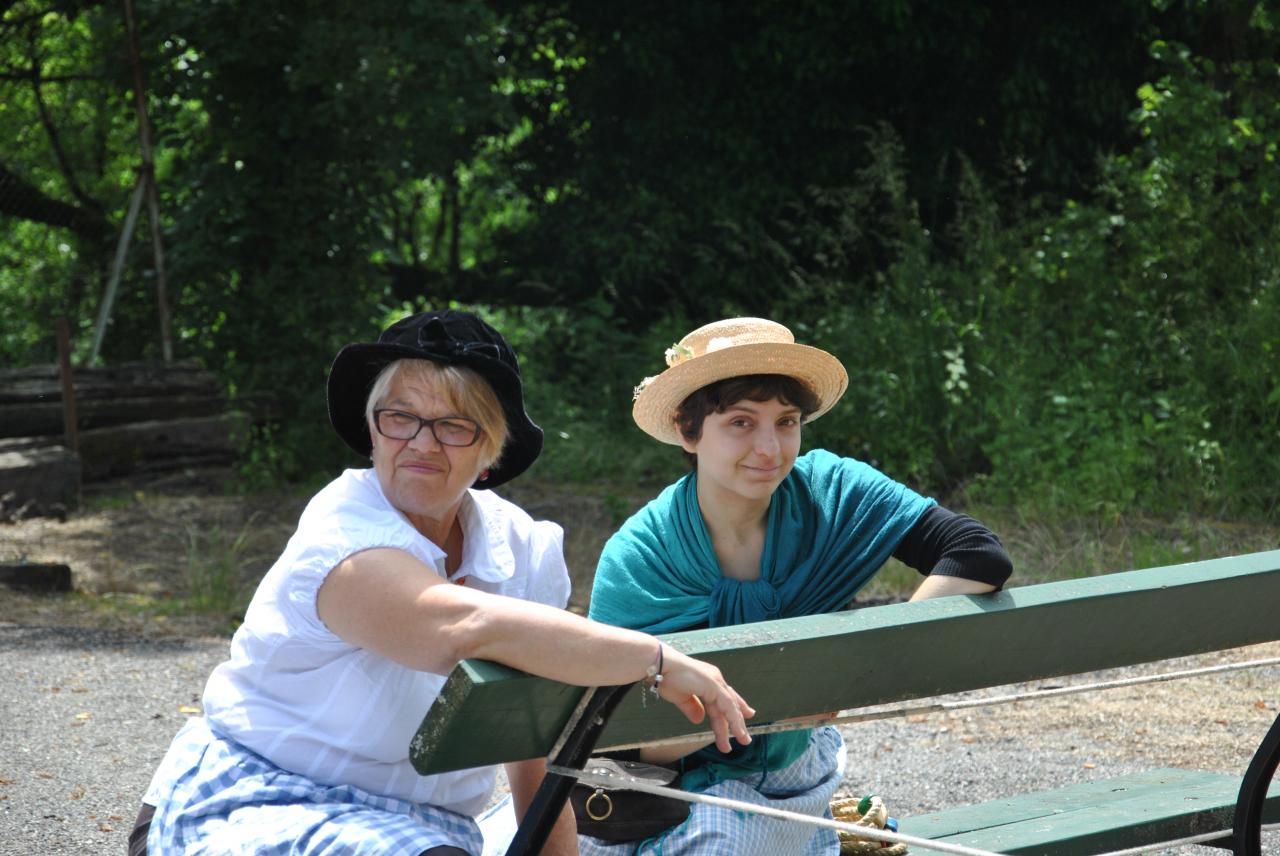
x,y
131,418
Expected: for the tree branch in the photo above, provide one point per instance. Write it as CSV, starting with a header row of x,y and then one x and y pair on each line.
x,y
64,163
19,198
30,74
455,224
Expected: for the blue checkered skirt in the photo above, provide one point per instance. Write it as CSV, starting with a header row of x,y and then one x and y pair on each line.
x,y
217,797
805,786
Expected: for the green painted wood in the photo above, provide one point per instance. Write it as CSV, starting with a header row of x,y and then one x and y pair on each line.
x,y
1094,817
489,714
1048,803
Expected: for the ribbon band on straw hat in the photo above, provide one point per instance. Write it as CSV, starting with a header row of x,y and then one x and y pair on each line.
x,y
732,348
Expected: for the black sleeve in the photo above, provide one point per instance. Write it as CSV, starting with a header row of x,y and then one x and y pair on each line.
x,y
954,545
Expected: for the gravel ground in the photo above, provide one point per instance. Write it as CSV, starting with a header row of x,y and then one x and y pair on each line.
x,y
93,686
87,713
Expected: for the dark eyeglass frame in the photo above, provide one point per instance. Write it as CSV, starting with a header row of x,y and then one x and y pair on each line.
x,y
430,424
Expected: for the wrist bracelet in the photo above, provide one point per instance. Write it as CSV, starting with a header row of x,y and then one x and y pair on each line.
x,y
654,672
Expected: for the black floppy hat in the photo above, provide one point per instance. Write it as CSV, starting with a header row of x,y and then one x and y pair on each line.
x,y
450,338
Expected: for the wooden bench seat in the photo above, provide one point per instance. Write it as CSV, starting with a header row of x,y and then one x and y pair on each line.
x,y
1094,817
490,714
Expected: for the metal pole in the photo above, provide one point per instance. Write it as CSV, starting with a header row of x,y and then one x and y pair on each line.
x,y
572,750
149,176
117,267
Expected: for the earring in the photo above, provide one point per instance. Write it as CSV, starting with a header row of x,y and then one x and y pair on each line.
x,y
484,475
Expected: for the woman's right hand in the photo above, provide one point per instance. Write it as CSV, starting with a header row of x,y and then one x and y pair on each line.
x,y
700,691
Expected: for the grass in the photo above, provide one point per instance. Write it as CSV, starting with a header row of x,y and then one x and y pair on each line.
x,y
212,549
187,554
113,501
1044,551
219,571
216,564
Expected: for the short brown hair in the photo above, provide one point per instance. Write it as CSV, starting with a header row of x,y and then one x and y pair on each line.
x,y
720,396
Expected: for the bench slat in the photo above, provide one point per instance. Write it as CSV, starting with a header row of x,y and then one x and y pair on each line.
x,y
489,714
1094,817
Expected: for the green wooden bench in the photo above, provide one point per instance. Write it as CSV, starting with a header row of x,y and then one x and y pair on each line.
x,y
1094,817
489,714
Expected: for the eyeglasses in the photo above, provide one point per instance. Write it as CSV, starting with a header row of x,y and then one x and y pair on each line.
x,y
448,430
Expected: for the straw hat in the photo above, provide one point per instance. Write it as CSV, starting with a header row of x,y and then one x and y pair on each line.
x,y
730,348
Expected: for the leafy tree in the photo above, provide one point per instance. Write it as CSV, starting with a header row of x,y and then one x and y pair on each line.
x,y
65,169
683,154
1038,291
295,135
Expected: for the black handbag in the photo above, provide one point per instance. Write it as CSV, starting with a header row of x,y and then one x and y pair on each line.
x,y
620,814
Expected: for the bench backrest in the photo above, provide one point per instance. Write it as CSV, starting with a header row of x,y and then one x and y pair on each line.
x,y
489,714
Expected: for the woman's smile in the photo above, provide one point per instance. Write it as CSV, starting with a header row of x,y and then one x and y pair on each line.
x,y
746,450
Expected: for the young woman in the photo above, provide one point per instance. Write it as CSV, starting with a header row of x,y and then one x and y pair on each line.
x,y
397,572
758,531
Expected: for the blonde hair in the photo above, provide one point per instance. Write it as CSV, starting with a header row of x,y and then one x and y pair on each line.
x,y
465,390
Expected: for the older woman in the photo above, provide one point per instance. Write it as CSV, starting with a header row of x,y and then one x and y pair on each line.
x,y
758,531
395,574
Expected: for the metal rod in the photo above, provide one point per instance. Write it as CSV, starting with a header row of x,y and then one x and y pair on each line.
x,y
117,267
874,833
574,748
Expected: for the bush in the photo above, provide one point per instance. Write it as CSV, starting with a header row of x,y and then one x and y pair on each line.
x,y
1120,353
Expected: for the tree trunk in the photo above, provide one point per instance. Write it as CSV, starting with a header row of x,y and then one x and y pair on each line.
x,y
45,417
35,384
160,446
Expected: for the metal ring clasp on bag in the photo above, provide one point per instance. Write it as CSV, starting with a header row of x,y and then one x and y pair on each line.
x,y
608,810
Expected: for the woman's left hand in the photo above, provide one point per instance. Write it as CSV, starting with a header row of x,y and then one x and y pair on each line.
x,y
701,692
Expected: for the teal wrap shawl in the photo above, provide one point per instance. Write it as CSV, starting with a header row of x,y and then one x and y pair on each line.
x,y
832,523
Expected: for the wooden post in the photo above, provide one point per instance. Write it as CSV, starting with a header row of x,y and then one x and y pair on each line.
x,y
68,385
149,176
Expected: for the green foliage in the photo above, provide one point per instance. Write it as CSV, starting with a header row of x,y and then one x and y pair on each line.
x,y
318,136
65,166
580,370
1115,355
1154,305
686,154
1043,295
